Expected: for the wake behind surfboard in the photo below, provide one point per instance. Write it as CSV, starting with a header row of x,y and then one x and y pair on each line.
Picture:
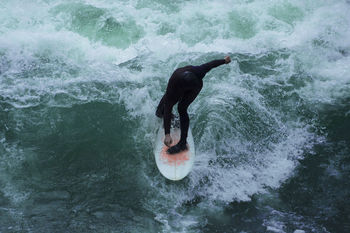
x,y
174,166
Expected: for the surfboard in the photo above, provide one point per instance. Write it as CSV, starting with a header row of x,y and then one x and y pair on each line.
x,y
174,166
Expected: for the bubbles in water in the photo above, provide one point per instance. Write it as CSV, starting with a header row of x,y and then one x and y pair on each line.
x,y
253,120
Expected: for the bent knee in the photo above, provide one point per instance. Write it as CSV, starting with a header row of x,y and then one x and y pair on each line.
x,y
182,109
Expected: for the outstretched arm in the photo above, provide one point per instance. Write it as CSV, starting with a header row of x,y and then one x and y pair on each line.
x,y
210,65
205,68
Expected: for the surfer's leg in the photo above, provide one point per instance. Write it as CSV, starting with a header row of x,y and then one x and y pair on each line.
x,y
184,121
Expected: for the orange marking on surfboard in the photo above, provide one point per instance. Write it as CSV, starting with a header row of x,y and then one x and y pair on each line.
x,y
174,159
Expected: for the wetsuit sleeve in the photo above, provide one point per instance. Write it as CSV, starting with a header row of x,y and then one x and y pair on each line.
x,y
210,65
167,117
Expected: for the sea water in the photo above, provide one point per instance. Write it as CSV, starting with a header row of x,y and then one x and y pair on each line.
x,y
79,84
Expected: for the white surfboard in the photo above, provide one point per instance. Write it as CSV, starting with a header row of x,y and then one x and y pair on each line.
x,y
174,166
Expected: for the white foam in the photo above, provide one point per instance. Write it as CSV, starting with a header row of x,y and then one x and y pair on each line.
x,y
11,160
195,31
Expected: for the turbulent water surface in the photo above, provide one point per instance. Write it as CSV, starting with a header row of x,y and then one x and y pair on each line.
x,y
79,83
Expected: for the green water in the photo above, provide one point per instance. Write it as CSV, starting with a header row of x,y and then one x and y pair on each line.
x,y
79,83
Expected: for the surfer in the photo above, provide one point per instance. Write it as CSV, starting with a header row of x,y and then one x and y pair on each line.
x,y
184,85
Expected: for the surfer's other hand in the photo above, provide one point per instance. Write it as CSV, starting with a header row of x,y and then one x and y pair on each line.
x,y
227,59
167,140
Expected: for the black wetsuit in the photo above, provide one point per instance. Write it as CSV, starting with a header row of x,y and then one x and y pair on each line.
x,y
184,85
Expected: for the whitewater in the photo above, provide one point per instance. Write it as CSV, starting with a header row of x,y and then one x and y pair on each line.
x,y
79,84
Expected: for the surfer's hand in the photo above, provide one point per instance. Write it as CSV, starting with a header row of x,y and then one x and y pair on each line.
x,y
167,140
227,59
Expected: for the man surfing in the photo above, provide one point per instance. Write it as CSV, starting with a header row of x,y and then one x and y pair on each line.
x,y
184,85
